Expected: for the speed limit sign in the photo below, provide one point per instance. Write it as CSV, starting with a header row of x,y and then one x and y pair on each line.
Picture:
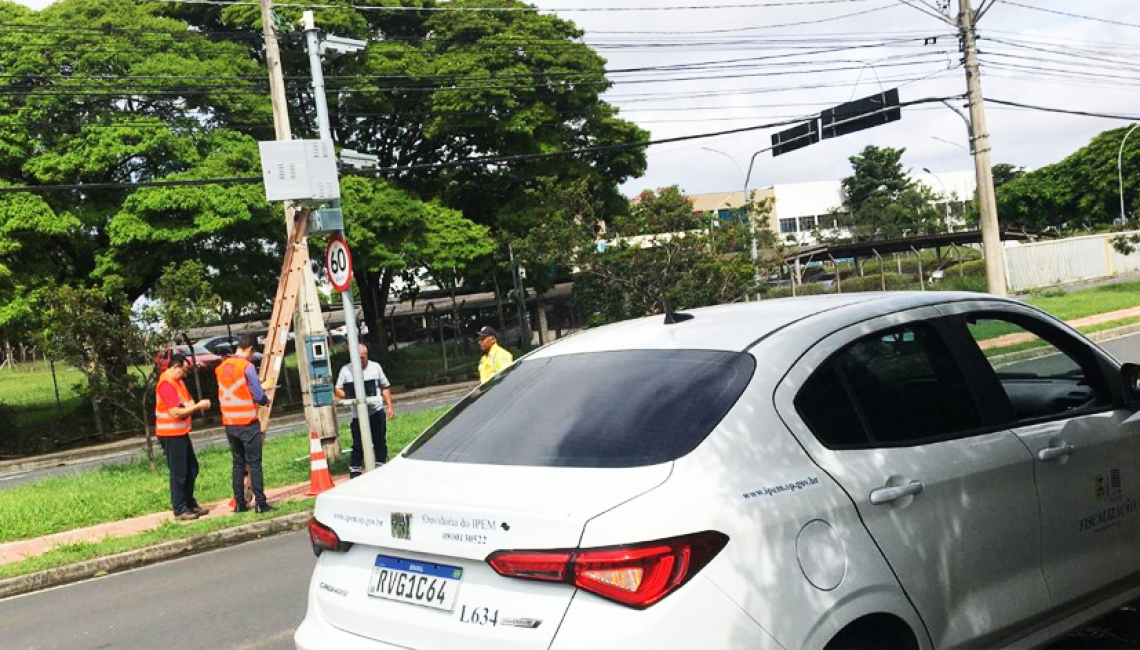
x,y
338,263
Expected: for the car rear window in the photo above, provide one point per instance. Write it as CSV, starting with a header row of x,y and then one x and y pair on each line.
x,y
606,409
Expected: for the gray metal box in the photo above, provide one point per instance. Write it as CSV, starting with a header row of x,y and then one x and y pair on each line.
x,y
299,170
325,221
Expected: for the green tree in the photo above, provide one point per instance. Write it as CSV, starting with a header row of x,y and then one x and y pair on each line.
x,y
1080,192
94,330
660,256
434,89
391,232
882,202
104,94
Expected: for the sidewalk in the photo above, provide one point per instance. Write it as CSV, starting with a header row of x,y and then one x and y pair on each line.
x,y
1076,323
26,548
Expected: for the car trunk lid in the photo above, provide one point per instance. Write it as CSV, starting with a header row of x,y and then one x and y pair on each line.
x,y
435,523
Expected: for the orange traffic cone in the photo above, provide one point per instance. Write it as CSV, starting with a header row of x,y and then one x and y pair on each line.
x,y
319,477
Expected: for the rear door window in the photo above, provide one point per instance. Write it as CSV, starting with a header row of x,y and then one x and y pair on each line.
x,y
900,386
607,409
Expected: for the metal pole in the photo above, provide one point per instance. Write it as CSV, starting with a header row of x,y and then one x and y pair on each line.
x,y
308,319
1120,170
987,200
55,383
520,299
945,200
313,45
752,226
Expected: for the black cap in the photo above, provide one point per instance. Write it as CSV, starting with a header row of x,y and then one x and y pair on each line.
x,y
177,360
488,331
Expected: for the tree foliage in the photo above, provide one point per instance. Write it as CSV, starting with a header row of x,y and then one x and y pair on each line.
x,y
434,89
661,256
882,202
1082,191
110,92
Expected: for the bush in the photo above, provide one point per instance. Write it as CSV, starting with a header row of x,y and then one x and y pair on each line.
x,y
872,282
811,289
968,283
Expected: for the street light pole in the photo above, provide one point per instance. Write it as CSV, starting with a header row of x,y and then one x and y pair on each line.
x,y
752,226
313,44
1120,169
945,199
746,206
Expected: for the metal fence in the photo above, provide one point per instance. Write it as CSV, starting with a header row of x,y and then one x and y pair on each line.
x,y
1064,261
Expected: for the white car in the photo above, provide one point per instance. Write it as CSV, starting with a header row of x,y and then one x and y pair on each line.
x,y
898,470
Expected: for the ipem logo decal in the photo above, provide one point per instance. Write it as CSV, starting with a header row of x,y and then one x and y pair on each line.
x,y
402,525
1116,507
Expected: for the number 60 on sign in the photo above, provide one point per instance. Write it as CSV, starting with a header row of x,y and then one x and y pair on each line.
x,y
338,263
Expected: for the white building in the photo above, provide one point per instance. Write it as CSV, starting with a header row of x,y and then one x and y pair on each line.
x,y
799,208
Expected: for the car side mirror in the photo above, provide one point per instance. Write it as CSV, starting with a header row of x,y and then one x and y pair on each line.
x,y
1130,374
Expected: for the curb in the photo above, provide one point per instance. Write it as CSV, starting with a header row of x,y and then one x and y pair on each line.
x,y
119,562
1115,332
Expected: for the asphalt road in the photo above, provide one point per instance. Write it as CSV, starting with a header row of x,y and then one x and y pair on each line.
x,y
344,414
249,597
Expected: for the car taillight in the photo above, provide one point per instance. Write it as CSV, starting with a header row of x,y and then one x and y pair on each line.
x,y
637,575
324,538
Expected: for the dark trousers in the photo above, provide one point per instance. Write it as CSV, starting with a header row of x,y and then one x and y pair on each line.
x,y
183,466
379,425
246,442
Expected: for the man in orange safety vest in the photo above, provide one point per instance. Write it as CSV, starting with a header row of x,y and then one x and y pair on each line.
x,y
173,408
239,395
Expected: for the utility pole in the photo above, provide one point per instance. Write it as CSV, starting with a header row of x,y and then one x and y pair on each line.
x,y
980,143
313,45
309,321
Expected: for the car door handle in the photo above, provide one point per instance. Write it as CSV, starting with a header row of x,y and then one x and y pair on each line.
x,y
888,494
1053,453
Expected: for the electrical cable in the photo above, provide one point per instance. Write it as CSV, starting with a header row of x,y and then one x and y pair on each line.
x,y
480,160
1070,15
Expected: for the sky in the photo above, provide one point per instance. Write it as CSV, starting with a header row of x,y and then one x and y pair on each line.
x,y
1013,40
775,60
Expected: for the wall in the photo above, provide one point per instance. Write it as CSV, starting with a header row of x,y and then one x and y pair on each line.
x,y
1062,261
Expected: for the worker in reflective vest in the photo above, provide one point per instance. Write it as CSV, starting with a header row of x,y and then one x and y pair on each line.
x,y
173,408
239,395
495,358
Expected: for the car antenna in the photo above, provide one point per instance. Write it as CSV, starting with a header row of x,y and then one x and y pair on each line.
x,y
674,317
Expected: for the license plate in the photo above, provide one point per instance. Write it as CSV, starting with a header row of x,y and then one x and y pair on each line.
x,y
418,583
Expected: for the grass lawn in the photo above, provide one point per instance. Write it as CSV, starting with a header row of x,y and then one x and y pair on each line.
x,y
120,492
1086,302
65,554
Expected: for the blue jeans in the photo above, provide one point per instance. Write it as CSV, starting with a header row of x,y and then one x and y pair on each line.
x,y
246,443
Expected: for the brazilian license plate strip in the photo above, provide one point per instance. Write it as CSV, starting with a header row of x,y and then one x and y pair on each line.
x,y
414,582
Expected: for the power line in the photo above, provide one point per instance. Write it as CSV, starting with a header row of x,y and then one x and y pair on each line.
x,y
1070,15
481,160
1065,111
748,29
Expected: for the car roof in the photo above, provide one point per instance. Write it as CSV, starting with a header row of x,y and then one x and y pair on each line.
x,y
738,326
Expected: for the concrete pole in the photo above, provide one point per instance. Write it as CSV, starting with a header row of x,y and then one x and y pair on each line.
x,y
313,45
308,319
980,139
